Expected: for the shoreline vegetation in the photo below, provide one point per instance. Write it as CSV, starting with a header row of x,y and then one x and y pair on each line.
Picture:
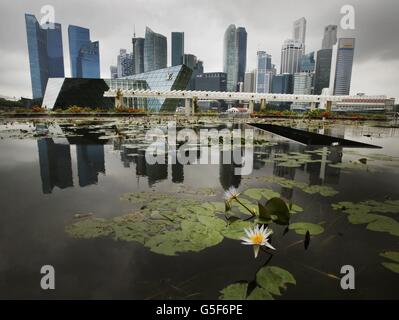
x,y
76,111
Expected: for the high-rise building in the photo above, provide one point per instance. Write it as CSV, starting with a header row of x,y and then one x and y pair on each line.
x,y
250,81
302,85
89,61
330,37
138,55
323,69
113,72
299,31
291,53
343,69
282,83
196,66
211,81
177,48
124,63
264,72
84,54
242,53
234,56
155,51
307,63
46,59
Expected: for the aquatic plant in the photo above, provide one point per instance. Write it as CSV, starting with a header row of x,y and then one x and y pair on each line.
x,y
258,237
393,256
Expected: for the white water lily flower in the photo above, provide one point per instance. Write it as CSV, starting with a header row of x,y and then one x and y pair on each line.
x,y
231,194
258,237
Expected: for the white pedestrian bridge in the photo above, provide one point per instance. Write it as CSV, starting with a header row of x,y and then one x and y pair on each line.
x,y
323,101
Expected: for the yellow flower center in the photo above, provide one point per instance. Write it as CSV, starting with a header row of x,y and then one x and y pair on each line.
x,y
257,238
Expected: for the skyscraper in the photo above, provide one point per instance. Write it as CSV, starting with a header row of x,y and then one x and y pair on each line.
x,y
291,53
299,31
323,69
177,48
242,53
124,63
330,37
113,72
343,70
46,59
302,85
250,81
307,63
264,72
84,54
155,51
138,55
234,55
196,66
88,62
282,83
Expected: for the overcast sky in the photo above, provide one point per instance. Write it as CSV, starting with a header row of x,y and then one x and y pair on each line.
x,y
268,23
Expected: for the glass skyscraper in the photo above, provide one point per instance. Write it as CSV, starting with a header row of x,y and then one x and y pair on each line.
x,y
46,59
138,55
323,69
307,63
330,37
343,70
177,48
264,72
155,51
234,55
84,54
291,53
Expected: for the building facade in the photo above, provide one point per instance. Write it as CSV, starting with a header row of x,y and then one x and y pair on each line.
x,y
211,81
155,51
291,53
299,31
250,81
282,83
264,73
330,36
343,69
302,85
138,55
323,69
46,58
113,72
84,54
307,63
234,56
125,63
177,48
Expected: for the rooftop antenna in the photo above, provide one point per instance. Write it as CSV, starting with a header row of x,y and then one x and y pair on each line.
x,y
134,31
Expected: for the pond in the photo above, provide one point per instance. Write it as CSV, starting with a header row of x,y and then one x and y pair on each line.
x,y
80,196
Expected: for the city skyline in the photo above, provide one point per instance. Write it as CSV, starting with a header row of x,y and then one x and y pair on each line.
x,y
261,36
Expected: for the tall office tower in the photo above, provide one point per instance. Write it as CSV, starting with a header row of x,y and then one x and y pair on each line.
x,y
84,54
155,51
323,69
113,72
242,53
89,61
302,85
196,66
250,81
343,69
234,56
282,83
291,53
307,63
124,63
299,31
211,81
46,59
330,36
177,48
264,72
138,55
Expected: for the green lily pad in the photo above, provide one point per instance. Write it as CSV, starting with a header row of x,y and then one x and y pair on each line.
x,y
278,210
302,227
260,294
235,230
258,193
235,291
391,266
392,255
89,228
273,278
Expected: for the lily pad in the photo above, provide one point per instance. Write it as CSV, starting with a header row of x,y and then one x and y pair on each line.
x,y
392,255
302,227
391,266
235,291
258,193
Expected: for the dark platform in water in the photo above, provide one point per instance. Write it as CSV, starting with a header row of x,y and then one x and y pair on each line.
x,y
311,138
